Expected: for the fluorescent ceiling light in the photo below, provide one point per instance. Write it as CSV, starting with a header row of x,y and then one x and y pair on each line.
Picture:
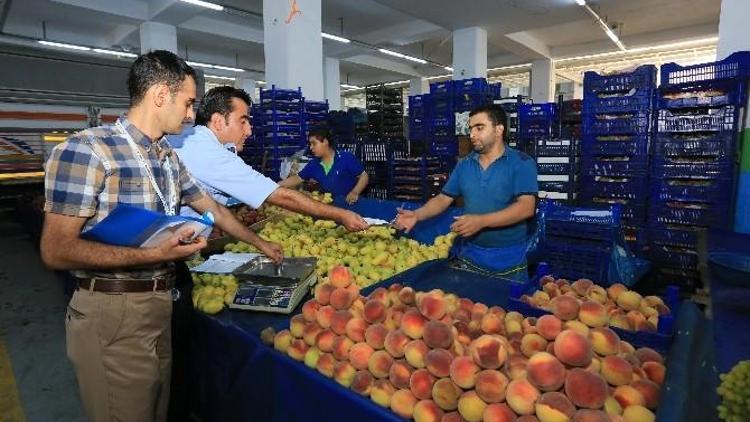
x,y
225,78
207,5
231,69
395,83
515,66
448,68
391,53
215,66
675,45
347,86
581,2
64,45
335,38
114,53
415,59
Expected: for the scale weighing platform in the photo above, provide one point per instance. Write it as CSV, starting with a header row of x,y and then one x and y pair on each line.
x,y
265,286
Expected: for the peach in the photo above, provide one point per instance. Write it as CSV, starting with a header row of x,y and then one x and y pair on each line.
x,y
616,370
590,415
354,290
565,307
311,357
637,413
381,392
540,297
445,393
339,319
438,335
355,329
491,323
432,305
393,318
323,293
597,294
438,362
297,325
325,364
654,371
614,291
513,326
341,298
380,294
498,412
297,349
402,403
400,374
650,391
309,309
548,326
646,354
341,346
629,300
374,311
461,315
577,326
585,389
554,407
488,352
628,396
545,372
340,276
573,348
515,366
471,407
463,371
491,385
324,316
527,418
521,396
362,383
324,340
343,373
627,348
310,333
359,355
532,344
375,336
528,325
281,340
427,411
620,321
604,341
612,406
415,352
595,366
380,363
581,286
593,314
406,295
395,342
413,324
452,417
420,383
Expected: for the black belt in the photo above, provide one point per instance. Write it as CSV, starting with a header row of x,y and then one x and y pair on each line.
x,y
127,285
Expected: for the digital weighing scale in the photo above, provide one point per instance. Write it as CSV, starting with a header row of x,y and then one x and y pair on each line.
x,y
265,286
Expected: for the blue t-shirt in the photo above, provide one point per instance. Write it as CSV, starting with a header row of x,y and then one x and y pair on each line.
x,y
494,189
342,177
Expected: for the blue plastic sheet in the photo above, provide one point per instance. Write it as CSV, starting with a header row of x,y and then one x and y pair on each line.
x,y
240,379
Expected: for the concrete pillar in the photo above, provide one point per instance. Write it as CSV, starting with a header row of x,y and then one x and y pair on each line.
x,y
332,76
158,36
577,91
469,53
418,86
733,37
293,46
247,84
543,81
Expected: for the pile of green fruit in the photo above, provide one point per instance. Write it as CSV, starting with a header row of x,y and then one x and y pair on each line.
x,y
212,291
735,393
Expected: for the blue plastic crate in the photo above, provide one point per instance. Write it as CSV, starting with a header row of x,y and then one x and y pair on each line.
x,y
556,165
576,222
471,85
717,144
673,234
692,190
642,77
712,93
418,101
736,66
282,105
556,148
373,152
554,186
443,149
316,106
444,121
632,211
616,166
444,88
637,122
283,138
615,145
468,102
263,115
279,151
716,215
633,187
708,167
642,99
722,119
574,261
546,112
674,255
348,147
281,94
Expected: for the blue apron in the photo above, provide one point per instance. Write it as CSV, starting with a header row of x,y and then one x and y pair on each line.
x,y
508,262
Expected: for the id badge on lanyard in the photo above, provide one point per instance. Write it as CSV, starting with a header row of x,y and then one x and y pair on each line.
x,y
169,201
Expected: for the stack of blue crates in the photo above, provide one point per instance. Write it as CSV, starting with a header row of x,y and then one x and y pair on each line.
x,y
416,179
536,122
510,105
278,128
376,155
442,139
315,115
557,165
419,117
617,122
342,127
694,156
474,92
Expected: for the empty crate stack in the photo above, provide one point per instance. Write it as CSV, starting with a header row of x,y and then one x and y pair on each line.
x,y
557,169
376,157
419,119
341,126
442,141
510,105
617,121
536,122
416,179
385,111
695,150
471,93
315,116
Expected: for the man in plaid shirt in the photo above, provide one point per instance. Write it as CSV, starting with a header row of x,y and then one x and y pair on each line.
x,y
118,320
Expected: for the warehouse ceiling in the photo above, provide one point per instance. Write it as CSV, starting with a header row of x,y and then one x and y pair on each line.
x,y
519,31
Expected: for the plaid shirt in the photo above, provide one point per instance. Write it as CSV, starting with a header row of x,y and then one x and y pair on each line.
x,y
94,170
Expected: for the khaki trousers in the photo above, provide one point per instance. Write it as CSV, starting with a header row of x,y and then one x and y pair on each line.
x,y
120,346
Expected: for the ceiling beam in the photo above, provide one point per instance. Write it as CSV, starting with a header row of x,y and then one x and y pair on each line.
x,y
223,28
385,64
132,9
525,45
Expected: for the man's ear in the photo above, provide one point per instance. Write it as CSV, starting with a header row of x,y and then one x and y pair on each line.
x,y
161,94
217,121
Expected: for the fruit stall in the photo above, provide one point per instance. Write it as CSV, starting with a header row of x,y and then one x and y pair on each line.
x,y
435,340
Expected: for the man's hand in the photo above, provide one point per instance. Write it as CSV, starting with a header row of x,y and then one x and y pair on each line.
x,y
468,225
175,248
272,251
405,220
352,197
353,222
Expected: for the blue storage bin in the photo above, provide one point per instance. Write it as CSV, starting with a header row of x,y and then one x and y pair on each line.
x,y
444,88
638,122
544,166
615,145
282,105
712,93
537,112
373,152
574,261
281,94
642,99
673,234
348,147
717,215
576,222
717,144
556,148
632,187
316,106
642,77
616,166
692,190
471,85
632,211
722,119
674,255
708,167
569,186
736,66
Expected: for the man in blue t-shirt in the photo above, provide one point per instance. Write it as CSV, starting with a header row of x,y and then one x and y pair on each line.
x,y
499,187
337,172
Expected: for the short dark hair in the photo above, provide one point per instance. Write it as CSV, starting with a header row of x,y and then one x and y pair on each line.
x,y
321,133
158,66
494,112
219,100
